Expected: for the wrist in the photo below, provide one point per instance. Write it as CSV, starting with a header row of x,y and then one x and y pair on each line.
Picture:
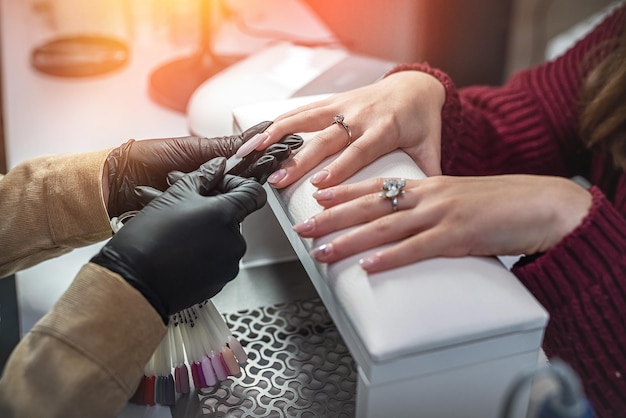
x,y
574,255
105,184
451,109
116,169
114,262
569,216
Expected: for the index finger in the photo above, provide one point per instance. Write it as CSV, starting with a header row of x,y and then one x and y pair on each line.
x,y
309,118
350,158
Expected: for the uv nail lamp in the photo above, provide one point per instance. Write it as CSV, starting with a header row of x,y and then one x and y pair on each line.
x,y
445,337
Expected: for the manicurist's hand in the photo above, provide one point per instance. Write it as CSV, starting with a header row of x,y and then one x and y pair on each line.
x,y
446,216
148,162
185,245
401,111
257,165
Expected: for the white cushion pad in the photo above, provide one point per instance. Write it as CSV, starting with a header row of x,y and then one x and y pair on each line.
x,y
423,306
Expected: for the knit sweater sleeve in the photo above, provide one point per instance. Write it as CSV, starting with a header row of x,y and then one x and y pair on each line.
x,y
581,283
530,125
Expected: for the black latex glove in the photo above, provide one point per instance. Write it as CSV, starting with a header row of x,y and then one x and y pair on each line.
x,y
147,163
258,165
184,246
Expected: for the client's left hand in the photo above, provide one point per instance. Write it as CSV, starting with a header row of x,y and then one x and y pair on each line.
x,y
400,111
446,216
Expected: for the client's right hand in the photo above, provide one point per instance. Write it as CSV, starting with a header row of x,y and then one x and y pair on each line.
x,y
185,245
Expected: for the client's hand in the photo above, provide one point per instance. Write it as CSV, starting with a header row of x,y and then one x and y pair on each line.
x,y
148,162
185,245
402,111
446,216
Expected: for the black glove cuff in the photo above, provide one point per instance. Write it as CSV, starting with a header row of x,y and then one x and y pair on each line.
x,y
112,261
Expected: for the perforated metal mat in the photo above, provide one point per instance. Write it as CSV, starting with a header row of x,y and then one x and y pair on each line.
x,y
298,366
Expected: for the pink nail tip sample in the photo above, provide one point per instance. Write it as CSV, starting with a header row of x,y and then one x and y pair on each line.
x,y
218,365
231,362
238,350
209,373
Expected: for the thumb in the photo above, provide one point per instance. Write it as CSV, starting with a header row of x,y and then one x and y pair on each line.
x,y
431,168
145,194
427,159
201,181
256,129
173,176
210,174
245,195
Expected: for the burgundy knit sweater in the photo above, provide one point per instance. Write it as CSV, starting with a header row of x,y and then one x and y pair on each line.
x,y
530,125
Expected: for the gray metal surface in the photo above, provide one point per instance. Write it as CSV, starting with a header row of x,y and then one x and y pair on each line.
x,y
298,366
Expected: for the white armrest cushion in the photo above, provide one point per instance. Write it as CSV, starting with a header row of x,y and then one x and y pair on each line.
x,y
423,306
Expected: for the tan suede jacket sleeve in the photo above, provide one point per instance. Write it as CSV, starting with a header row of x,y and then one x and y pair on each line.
x,y
86,356
49,206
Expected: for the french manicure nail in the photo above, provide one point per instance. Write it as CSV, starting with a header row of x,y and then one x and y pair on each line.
x,y
369,262
322,194
249,146
319,176
305,226
322,252
277,176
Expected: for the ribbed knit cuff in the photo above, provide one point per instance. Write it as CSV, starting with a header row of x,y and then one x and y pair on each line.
x,y
451,111
580,282
594,249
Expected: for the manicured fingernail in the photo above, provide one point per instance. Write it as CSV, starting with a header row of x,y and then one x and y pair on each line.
x,y
369,262
319,176
277,176
323,195
322,252
305,226
252,143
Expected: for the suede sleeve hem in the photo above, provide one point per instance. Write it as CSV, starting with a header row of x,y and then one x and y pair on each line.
x,y
55,201
92,347
79,218
130,327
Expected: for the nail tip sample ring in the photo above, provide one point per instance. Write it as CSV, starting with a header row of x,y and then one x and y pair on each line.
x,y
338,120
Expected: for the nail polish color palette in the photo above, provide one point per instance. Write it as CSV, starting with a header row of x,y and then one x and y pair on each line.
x,y
198,351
